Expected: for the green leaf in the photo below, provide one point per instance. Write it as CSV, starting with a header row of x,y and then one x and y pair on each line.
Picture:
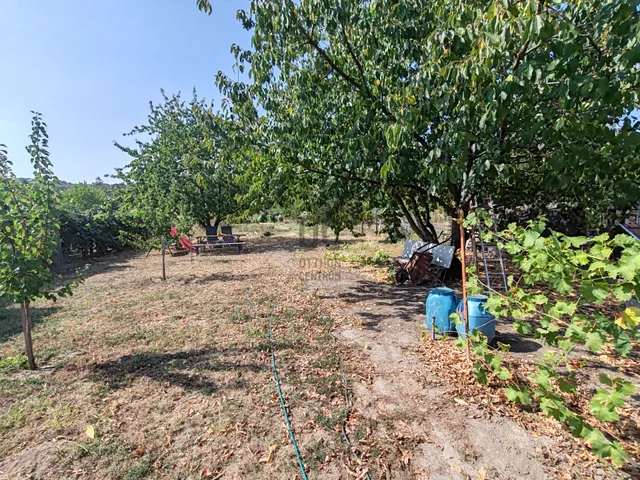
x,y
624,387
623,240
530,238
622,344
480,373
519,395
602,406
576,332
567,385
543,379
565,345
494,304
594,341
455,319
539,23
623,291
603,448
576,242
604,378
561,285
578,426
523,328
553,406
617,454
594,292
563,307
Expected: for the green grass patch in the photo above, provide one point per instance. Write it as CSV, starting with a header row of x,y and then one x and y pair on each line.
x,y
14,363
138,472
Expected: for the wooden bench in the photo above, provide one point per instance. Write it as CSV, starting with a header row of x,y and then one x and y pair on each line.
x,y
212,242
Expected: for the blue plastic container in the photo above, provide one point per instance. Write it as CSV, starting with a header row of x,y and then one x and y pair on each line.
x,y
479,318
441,303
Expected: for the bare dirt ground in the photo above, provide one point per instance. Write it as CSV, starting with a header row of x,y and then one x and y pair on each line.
x,y
457,439
141,378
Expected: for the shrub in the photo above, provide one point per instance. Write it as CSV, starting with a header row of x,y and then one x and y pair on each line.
x,y
573,278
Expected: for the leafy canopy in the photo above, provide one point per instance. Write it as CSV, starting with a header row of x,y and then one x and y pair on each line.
x,y
29,224
437,103
183,171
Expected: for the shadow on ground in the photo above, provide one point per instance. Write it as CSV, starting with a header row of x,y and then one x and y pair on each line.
x,y
518,343
191,370
97,265
11,324
291,244
376,302
215,277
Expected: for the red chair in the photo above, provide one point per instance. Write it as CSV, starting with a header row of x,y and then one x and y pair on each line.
x,y
183,241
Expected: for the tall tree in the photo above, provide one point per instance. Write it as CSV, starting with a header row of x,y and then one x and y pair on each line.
x,y
183,172
439,103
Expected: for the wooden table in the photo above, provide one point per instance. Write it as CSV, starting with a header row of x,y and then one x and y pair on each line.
x,y
222,240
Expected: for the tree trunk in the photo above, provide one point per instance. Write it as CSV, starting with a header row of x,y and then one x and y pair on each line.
x,y
425,225
337,239
211,230
425,234
164,269
455,233
25,314
58,256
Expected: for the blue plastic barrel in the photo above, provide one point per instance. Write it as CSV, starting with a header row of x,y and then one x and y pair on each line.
x,y
479,318
441,303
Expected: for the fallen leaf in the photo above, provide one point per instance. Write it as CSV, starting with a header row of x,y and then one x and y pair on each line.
x,y
225,456
139,451
90,432
269,458
406,457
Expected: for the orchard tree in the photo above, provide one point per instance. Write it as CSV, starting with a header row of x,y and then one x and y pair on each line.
x,y
440,103
29,232
83,197
150,198
336,204
184,172
92,220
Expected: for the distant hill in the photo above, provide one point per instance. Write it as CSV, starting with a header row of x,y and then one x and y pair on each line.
x,y
63,184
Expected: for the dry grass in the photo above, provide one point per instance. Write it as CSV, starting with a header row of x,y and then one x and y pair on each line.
x,y
175,376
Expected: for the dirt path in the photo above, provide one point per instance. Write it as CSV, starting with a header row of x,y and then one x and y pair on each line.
x,y
457,439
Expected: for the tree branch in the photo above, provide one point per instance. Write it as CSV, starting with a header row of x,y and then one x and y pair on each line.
x,y
353,82
407,215
426,227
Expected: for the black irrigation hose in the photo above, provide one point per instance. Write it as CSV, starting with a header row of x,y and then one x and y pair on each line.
x,y
346,417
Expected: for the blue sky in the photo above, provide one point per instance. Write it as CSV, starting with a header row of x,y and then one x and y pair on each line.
x,y
91,68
